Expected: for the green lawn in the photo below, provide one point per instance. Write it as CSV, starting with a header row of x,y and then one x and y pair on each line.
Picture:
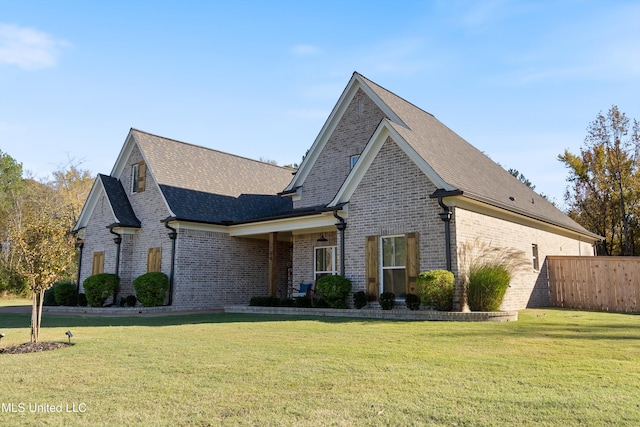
x,y
552,367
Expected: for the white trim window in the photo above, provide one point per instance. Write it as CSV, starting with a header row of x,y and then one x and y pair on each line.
x,y
534,253
393,265
324,261
353,159
134,177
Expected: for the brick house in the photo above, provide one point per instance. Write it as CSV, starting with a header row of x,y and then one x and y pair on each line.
x,y
386,191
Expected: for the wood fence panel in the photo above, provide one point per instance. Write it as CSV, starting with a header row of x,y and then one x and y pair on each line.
x,y
595,283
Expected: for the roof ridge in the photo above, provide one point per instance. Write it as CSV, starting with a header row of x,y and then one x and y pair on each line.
x,y
210,149
371,82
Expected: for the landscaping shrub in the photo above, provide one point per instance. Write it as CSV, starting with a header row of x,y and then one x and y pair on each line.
x,y
387,300
82,300
287,302
487,287
99,287
49,298
265,302
303,302
151,288
436,288
334,290
65,293
131,300
359,299
413,301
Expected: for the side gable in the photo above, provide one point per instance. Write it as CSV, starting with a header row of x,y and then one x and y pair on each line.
x,y
120,208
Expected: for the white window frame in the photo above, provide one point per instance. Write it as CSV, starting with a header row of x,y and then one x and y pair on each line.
x,y
333,271
393,267
535,257
134,177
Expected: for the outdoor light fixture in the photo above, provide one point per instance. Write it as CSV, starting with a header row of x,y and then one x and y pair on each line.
x,y
69,335
322,238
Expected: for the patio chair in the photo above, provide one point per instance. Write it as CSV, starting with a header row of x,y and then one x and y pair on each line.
x,y
303,290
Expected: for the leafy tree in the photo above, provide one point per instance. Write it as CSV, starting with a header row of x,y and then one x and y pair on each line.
x,y
11,185
41,245
605,184
516,173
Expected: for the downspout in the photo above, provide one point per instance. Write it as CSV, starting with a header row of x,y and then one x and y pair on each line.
x,y
341,226
118,241
173,235
445,216
79,245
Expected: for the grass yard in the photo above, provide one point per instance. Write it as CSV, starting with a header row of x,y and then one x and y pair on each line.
x,y
552,367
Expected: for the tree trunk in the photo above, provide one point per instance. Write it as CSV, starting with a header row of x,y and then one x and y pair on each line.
x,y
34,317
40,311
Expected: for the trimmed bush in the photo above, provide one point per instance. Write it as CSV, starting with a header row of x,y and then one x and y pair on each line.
x,y
287,302
413,302
82,300
265,302
131,300
359,299
436,288
49,298
387,300
65,293
334,290
487,287
151,288
99,287
303,302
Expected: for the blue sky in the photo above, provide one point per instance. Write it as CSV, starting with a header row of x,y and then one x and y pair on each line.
x,y
520,80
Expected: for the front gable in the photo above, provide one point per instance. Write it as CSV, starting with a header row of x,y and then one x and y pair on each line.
x,y
346,132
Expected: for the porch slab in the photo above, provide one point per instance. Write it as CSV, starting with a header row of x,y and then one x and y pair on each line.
x,y
396,314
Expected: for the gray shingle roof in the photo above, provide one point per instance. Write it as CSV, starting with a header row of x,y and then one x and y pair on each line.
x,y
466,168
125,217
205,185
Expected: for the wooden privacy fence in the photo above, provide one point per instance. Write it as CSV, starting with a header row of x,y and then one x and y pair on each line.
x,y
595,283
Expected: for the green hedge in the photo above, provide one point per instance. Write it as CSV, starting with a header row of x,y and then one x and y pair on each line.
x,y
151,288
65,293
435,288
99,287
487,287
334,290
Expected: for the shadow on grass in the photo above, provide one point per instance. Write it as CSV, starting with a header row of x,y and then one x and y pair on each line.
x,y
62,320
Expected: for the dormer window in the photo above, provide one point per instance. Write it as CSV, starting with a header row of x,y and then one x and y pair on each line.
x,y
353,160
138,177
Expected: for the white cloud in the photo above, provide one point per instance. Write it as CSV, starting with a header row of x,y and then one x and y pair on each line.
x,y
28,48
305,50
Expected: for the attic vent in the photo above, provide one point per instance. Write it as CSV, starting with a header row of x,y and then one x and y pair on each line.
x,y
360,108
513,199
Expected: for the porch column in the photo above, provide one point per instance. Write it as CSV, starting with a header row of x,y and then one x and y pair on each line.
x,y
273,263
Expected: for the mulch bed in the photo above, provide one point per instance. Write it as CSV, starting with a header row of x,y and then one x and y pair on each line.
x,y
34,347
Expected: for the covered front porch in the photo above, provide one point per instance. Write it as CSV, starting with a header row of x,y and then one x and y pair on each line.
x,y
301,248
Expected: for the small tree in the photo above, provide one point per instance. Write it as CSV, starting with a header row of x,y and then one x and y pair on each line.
x,y
40,243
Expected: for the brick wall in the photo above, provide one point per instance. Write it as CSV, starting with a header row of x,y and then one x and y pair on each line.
x,y
214,269
528,288
333,165
393,198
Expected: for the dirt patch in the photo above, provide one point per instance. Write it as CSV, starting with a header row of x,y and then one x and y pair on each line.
x,y
34,347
